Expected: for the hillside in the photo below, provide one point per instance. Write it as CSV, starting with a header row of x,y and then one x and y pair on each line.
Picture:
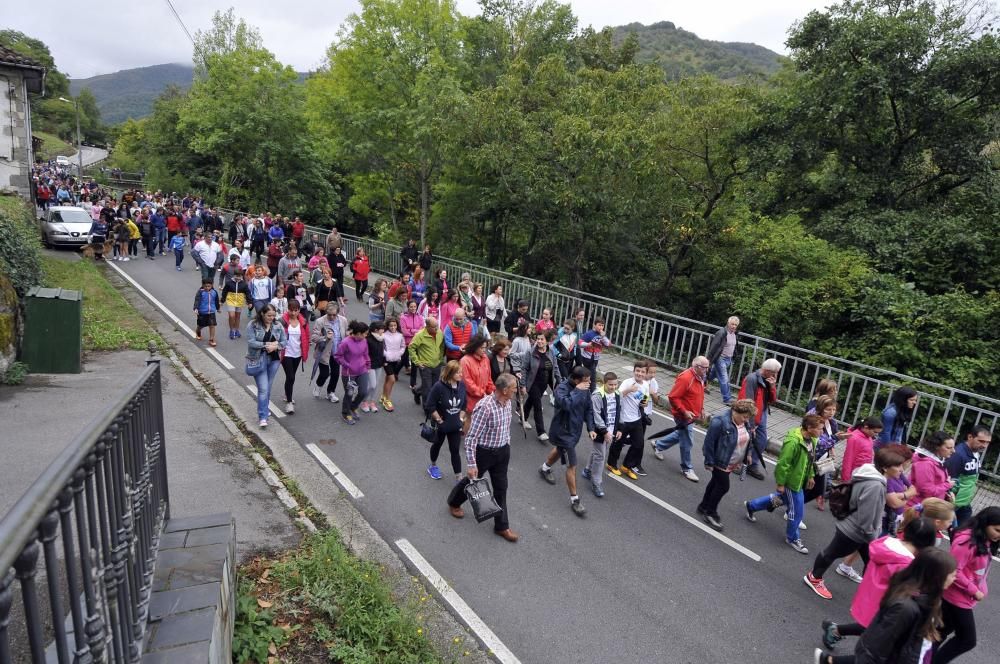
x,y
682,53
130,92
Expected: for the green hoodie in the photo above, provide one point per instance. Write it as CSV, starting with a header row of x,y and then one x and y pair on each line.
x,y
795,464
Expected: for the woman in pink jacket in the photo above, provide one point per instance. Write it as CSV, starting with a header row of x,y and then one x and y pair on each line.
x,y
409,324
973,548
929,476
860,446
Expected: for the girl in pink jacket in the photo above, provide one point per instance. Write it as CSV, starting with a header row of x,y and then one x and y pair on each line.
x,y
973,548
860,447
929,476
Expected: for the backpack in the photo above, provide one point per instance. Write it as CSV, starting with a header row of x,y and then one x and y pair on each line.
x,y
839,501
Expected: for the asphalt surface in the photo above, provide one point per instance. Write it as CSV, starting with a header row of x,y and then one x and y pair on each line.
x,y
632,580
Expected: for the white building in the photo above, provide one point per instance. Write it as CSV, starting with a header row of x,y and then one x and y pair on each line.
x,y
18,76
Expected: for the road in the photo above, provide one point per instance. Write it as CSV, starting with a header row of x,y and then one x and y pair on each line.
x,y
90,155
633,581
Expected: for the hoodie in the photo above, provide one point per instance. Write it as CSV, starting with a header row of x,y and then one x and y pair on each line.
x,y
929,476
352,356
963,466
864,522
973,569
887,555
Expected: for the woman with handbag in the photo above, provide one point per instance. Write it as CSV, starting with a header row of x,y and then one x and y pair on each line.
x,y
445,406
825,407
266,340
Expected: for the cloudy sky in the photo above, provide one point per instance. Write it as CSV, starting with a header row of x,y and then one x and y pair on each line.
x,y
120,34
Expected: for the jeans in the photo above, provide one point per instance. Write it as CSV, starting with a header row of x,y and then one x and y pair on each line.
x,y
492,460
682,435
264,380
350,403
758,444
207,272
717,487
721,371
428,376
178,257
794,500
161,239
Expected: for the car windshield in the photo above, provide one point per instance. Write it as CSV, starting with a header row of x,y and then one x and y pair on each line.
x,y
70,217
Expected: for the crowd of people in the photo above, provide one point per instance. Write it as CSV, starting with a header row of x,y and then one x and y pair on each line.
x,y
478,368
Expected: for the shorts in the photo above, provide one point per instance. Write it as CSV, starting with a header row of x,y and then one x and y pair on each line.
x,y
234,308
567,453
206,320
393,368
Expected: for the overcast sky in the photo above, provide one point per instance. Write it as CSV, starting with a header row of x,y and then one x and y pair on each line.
x,y
121,34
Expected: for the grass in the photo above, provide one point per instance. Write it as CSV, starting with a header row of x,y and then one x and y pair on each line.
x,y
52,146
319,603
109,321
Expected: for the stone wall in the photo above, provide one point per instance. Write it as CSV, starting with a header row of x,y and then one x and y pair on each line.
x,y
15,125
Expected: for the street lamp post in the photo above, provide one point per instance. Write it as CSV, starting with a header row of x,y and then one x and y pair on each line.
x,y
79,142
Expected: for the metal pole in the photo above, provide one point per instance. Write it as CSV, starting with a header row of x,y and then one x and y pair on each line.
x,y
79,142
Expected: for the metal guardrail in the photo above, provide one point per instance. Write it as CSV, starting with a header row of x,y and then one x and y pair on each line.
x,y
103,502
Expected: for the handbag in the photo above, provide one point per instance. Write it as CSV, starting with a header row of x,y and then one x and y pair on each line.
x,y
480,495
825,466
255,365
428,431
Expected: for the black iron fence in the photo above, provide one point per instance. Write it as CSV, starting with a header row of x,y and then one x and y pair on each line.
x,y
90,524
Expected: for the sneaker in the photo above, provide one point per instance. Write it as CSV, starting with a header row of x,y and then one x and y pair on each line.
x,y
238,335
434,472
126,259
613,470
714,522
818,656
364,407
290,408
656,450
586,473
577,507
527,425
349,419
547,475
628,472
416,397
689,474
802,526
750,515
316,391
798,546
543,436
178,267
333,397
598,490
830,635
354,413
848,572
263,424
639,470
372,407
817,585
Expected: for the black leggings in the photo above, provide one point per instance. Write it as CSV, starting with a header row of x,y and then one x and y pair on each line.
x,y
331,371
963,623
717,487
454,444
290,365
839,547
360,286
533,401
133,247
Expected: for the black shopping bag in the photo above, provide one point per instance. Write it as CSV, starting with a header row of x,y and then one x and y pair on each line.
x,y
479,493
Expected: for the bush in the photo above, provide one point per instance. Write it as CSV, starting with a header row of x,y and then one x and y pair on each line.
x,y
20,244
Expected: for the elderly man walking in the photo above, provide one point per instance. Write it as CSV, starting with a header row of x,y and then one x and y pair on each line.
x,y
720,357
761,388
687,404
487,450
426,351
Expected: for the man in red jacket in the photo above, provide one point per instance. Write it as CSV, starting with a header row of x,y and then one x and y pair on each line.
x,y
761,388
687,404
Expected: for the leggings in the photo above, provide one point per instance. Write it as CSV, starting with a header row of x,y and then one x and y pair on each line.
x,y
133,247
360,286
533,402
962,623
454,444
331,371
290,365
839,547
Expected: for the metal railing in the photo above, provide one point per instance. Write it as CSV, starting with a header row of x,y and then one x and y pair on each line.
x,y
94,517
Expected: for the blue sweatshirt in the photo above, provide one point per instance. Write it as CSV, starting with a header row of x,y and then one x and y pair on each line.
x,y
206,301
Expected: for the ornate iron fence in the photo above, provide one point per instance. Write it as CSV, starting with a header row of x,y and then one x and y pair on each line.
x,y
91,525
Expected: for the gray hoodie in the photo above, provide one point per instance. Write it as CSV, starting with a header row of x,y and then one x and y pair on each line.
x,y
864,523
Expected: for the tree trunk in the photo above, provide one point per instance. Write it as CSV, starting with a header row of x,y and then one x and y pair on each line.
x,y
425,199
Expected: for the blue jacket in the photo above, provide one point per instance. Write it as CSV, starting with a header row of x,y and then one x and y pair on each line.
x,y
573,410
158,221
721,439
206,301
448,343
892,430
177,242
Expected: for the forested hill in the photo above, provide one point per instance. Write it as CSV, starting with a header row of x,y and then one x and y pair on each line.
x,y
131,92
682,53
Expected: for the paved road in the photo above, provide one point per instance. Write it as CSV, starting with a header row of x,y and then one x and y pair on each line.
x,y
90,155
632,581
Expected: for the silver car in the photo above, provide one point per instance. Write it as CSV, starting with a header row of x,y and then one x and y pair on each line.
x,y
65,225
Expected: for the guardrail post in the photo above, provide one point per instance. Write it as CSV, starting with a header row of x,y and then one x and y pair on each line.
x,y
6,599
25,568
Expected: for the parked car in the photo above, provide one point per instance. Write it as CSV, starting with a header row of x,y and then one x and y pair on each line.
x,y
65,225
62,161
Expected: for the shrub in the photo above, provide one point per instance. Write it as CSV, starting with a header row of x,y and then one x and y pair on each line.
x,y
20,245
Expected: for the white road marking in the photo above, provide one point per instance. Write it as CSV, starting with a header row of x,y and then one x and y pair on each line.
x,y
277,412
686,517
169,314
338,475
499,651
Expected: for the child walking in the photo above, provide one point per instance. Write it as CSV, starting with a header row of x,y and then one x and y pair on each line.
x,y
206,304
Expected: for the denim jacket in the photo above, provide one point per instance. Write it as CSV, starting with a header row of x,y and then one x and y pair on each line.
x,y
256,334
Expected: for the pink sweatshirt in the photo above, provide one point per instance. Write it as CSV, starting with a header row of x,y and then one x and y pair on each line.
x,y
930,478
410,324
972,572
888,556
859,451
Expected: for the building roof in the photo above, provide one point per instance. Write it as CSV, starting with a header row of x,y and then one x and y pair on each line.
x,y
34,73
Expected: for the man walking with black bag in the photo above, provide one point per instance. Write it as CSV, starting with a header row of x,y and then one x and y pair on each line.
x,y
487,450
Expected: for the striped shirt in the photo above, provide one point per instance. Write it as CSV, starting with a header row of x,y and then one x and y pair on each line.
x,y
490,427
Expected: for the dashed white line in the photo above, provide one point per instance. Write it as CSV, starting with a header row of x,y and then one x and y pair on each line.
x,y
499,651
252,389
345,483
686,517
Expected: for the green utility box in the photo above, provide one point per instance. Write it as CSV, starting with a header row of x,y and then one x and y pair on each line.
x,y
53,331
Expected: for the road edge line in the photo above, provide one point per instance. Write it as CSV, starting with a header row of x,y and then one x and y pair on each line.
x,y
338,475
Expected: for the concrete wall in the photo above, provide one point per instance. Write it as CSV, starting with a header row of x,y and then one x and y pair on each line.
x,y
15,132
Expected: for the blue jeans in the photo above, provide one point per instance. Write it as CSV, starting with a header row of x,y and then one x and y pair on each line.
x,y
161,239
264,381
794,501
759,442
178,257
721,371
683,436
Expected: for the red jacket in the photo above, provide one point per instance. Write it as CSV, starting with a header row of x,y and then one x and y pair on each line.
x,y
173,223
360,267
477,378
304,324
459,336
753,388
687,394
298,229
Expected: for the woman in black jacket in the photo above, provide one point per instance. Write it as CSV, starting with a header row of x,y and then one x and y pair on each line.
x,y
445,405
909,613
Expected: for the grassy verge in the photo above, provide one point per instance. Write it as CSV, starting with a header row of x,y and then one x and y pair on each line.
x,y
319,603
52,146
109,321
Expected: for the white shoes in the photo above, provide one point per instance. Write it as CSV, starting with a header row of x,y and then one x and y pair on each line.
x,y
849,572
290,407
689,474
527,425
316,391
333,397
802,526
543,436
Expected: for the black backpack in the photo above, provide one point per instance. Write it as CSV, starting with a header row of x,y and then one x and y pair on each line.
x,y
840,501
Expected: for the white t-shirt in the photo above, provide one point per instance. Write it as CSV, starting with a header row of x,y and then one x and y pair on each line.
x,y
630,402
294,346
652,387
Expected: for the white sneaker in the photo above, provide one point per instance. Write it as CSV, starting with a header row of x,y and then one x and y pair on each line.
x,y
802,526
316,391
798,546
289,407
690,475
849,572
543,436
552,399
656,451
126,259
333,397
263,424
527,425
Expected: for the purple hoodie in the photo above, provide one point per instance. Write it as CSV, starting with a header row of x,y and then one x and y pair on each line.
x,y
352,356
